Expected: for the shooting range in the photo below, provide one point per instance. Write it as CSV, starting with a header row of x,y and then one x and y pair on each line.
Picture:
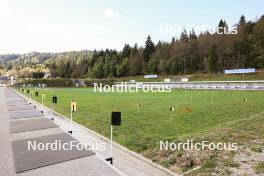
x,y
23,157
73,105
31,125
43,98
73,108
54,99
115,121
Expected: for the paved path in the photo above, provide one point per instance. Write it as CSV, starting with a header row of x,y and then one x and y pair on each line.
x,y
130,163
86,166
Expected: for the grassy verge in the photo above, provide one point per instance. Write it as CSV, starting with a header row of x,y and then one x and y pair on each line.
x,y
226,118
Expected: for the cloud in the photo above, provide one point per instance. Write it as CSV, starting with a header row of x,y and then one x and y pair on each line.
x,y
111,14
5,8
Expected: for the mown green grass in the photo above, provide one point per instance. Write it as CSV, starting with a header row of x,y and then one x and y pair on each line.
x,y
142,130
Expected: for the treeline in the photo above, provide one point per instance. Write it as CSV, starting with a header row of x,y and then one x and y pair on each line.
x,y
191,53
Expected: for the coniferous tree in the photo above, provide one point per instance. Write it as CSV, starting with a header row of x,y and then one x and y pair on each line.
x,y
213,59
242,20
149,49
187,55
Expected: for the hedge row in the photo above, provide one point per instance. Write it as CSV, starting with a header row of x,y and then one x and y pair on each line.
x,y
66,82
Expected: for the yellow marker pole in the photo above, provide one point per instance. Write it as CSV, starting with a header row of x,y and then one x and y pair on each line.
x,y
73,108
43,97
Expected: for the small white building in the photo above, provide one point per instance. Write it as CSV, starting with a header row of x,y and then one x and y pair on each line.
x,y
167,80
46,75
184,79
12,80
150,76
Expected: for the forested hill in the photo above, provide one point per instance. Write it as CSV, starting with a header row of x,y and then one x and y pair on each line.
x,y
191,53
23,60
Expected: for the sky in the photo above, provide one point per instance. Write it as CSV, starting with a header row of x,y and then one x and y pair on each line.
x,y
73,25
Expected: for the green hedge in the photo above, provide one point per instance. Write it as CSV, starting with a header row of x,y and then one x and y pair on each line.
x,y
66,82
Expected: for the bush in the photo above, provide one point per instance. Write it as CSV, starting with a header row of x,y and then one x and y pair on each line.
x,y
90,82
37,74
66,82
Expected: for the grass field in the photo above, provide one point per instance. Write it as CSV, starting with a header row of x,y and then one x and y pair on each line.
x,y
196,116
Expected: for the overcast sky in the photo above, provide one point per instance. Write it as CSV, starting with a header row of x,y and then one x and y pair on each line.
x,y
66,25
